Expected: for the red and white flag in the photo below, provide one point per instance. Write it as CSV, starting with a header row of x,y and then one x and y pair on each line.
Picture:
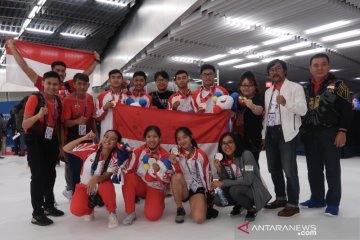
x,y
207,128
39,57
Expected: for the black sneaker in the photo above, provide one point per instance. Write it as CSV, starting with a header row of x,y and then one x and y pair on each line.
x,y
180,215
250,216
211,213
236,210
41,220
53,211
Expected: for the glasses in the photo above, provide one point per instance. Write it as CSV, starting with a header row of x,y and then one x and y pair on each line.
x,y
275,69
247,86
229,143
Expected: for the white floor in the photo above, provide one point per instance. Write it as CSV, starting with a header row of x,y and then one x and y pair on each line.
x,y
15,210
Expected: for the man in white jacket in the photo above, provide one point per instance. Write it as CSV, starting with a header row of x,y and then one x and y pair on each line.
x,y
285,103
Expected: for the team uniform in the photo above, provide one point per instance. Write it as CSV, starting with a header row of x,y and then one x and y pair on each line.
x,y
203,97
187,103
138,97
196,171
142,181
43,150
79,204
106,116
65,88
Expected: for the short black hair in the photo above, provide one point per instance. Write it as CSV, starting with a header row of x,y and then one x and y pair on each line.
x,y
114,71
238,147
162,73
320,55
81,76
251,78
181,72
187,132
51,74
207,66
141,74
152,128
275,61
58,63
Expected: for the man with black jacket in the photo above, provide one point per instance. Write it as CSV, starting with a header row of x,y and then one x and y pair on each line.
x,y
324,133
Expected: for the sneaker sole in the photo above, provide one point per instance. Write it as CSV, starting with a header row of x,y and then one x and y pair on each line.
x,y
330,215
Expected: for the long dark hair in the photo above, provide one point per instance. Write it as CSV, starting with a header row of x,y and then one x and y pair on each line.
x,y
98,152
187,132
238,147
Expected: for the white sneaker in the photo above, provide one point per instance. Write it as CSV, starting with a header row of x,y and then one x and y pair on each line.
x,y
90,217
113,221
129,219
68,194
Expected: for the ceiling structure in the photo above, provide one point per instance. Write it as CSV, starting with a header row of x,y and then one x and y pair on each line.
x,y
78,24
240,35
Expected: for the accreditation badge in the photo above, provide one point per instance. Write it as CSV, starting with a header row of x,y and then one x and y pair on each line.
x,y
49,132
82,129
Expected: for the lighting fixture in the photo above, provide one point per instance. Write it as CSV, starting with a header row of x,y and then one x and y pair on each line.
x,y
110,2
249,64
9,32
311,51
231,61
215,57
295,46
72,35
39,30
340,36
243,49
348,44
327,27
278,40
335,70
184,59
261,54
282,57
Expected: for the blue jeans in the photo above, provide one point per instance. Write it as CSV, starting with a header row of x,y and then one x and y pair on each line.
x,y
321,152
281,158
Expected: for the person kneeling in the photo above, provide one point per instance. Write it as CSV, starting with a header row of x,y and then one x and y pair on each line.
x,y
100,162
240,182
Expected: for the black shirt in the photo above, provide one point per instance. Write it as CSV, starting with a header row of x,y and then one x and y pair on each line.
x,y
160,100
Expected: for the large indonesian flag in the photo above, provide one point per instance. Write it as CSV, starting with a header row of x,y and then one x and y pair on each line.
x,y
207,128
39,57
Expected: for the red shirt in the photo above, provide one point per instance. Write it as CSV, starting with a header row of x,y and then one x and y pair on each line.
x,y
317,84
63,92
75,107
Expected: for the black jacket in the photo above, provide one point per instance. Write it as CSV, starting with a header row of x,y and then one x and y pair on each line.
x,y
330,107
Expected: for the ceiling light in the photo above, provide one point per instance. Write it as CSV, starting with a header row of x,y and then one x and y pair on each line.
x,y
243,49
282,57
278,40
230,82
348,44
9,32
72,35
335,70
308,52
358,78
261,54
342,35
110,2
39,30
215,57
249,64
231,61
327,27
239,23
184,59
295,46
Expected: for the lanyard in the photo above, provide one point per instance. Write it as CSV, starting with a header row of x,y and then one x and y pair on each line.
x,y
78,105
138,93
197,172
113,96
186,95
153,153
55,110
204,99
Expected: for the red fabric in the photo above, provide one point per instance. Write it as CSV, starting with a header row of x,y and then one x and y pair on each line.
x,y
30,107
154,198
206,128
80,200
74,107
317,84
83,150
63,92
75,59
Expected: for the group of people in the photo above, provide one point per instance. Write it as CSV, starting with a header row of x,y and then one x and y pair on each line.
x,y
61,119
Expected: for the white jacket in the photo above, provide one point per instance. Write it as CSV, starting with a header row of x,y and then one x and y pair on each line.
x,y
291,113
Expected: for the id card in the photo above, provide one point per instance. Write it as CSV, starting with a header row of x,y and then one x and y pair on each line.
x,y
49,132
194,186
82,129
271,119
